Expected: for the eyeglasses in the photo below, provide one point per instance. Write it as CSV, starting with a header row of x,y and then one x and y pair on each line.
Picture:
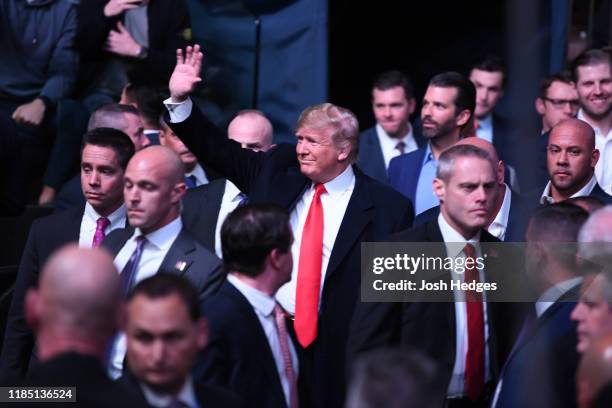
x,y
560,103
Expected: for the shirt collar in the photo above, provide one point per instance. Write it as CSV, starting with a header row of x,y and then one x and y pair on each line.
x,y
341,183
232,191
501,218
393,141
198,173
428,155
552,294
546,197
164,237
186,395
260,301
486,123
453,239
116,217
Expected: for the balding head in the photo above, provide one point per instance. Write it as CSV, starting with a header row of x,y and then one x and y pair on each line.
x,y
580,132
252,130
595,370
153,188
77,303
489,148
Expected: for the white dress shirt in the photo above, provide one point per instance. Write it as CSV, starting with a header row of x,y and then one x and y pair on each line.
x,y
546,197
263,305
199,174
603,143
230,200
388,144
153,253
485,128
454,249
334,202
89,224
500,223
186,395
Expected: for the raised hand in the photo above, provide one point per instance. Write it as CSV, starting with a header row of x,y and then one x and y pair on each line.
x,y
186,73
116,7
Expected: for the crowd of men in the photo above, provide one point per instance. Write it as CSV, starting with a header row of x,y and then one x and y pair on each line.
x,y
191,266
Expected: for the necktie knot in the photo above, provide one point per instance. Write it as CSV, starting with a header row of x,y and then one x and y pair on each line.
x,y
99,234
469,251
244,199
320,189
401,146
191,181
102,223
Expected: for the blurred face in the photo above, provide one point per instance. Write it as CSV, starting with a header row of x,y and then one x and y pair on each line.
x,y
150,196
592,314
101,179
489,90
561,103
169,139
252,132
570,159
162,341
135,131
468,197
320,159
594,87
392,110
438,114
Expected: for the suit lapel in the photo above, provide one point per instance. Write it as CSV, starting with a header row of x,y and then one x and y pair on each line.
x,y
412,173
209,223
176,260
376,155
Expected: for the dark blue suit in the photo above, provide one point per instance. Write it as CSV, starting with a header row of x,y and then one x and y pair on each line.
x,y
540,370
404,172
371,160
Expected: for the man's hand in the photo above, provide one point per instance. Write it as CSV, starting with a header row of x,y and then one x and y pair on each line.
x,y
30,113
116,7
121,42
186,73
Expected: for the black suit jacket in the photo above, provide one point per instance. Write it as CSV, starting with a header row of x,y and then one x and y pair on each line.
x,y
374,211
427,326
201,206
201,266
238,355
207,396
46,235
541,369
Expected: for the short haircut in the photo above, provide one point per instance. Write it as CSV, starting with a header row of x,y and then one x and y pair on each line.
x,y
466,92
113,139
392,79
149,101
341,121
589,58
162,285
395,379
446,161
491,63
563,76
111,116
250,233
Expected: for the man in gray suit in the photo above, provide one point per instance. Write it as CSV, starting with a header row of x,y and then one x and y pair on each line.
x,y
156,241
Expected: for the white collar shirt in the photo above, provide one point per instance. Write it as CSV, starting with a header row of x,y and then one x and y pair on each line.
x,y
485,128
388,144
230,200
500,223
89,224
586,190
603,143
186,395
199,174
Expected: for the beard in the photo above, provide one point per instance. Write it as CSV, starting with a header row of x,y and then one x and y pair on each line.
x,y
440,129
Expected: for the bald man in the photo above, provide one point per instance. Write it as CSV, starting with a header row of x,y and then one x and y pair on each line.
x,y
74,313
571,157
595,370
508,221
156,240
205,208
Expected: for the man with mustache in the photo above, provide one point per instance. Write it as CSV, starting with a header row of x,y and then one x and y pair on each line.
x,y
156,241
593,77
448,106
571,158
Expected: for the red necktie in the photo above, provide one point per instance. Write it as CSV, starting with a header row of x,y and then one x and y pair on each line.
x,y
99,235
283,338
309,271
474,359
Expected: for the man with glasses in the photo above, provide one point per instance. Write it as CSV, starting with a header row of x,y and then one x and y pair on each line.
x,y
558,100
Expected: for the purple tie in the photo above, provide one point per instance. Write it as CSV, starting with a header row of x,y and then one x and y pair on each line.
x,y
99,235
279,317
129,271
401,146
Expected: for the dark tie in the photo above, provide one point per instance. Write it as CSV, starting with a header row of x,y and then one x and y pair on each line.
x,y
244,200
99,235
401,146
129,271
309,271
283,339
474,359
191,181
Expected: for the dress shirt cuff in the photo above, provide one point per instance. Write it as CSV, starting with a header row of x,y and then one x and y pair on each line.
x,y
178,111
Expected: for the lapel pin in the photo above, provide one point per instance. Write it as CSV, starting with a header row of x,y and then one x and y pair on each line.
x,y
180,266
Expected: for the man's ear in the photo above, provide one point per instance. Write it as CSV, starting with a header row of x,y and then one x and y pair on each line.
x,y
594,157
463,117
539,105
439,189
177,192
411,106
274,257
32,309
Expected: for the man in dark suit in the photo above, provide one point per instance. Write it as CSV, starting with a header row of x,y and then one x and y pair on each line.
x,y
315,181
104,157
460,338
448,106
392,103
165,332
571,158
205,207
508,221
247,344
541,368
156,241
75,311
